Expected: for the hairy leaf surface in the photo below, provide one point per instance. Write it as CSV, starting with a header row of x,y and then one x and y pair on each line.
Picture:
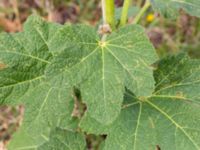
x,y
24,57
59,139
170,8
103,69
169,118
64,140
41,66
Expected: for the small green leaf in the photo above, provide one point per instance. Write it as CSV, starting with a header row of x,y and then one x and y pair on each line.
x,y
170,8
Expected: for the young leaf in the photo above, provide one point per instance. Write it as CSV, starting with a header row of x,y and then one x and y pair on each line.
x,y
170,8
169,118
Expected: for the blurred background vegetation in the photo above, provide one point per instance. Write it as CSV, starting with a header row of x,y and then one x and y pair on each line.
x,y
167,35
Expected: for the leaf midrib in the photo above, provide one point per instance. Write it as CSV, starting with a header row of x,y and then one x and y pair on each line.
x,y
68,69
164,114
103,77
174,122
137,125
23,82
123,66
177,85
31,56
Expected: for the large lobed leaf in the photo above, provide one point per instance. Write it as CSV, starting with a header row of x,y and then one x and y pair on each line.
x,y
168,119
102,69
25,57
170,8
41,65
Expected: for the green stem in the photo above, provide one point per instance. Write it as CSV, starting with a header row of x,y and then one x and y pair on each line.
x,y
142,11
110,12
124,16
103,5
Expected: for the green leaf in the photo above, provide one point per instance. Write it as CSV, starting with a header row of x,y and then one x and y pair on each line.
x,y
102,69
51,108
169,118
41,66
170,8
25,57
59,139
64,140
91,126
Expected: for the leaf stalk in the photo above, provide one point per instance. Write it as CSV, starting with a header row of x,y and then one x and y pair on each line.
x,y
124,15
103,6
142,11
109,7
